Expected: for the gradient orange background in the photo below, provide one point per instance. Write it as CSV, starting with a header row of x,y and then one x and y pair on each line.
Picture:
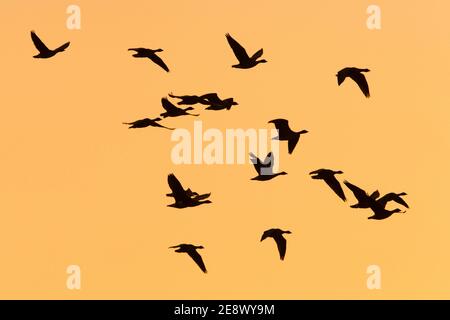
x,y
78,187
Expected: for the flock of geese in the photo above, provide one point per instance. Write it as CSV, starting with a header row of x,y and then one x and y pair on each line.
x,y
184,198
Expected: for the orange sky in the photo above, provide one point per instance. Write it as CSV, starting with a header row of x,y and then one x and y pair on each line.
x,y
79,188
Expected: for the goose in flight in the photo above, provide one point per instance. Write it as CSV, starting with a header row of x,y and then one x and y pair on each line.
x,y
264,169
365,200
45,52
286,134
215,103
143,123
356,75
277,235
188,99
184,198
245,61
392,196
329,176
150,54
381,213
191,250
192,194
174,111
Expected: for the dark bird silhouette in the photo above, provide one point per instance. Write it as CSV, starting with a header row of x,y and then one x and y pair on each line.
x,y
191,250
356,75
192,194
150,54
264,169
245,61
277,235
329,177
215,103
363,198
366,201
143,123
184,198
286,134
174,111
392,196
45,52
188,99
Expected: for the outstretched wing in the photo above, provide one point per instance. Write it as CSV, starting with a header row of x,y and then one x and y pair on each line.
x,y
38,42
177,189
282,125
159,61
198,259
168,106
238,50
334,184
211,98
392,197
256,163
360,79
359,193
281,244
258,54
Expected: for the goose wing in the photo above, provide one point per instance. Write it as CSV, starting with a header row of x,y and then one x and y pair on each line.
x,y
169,106
359,193
281,244
392,197
239,51
282,125
177,189
156,59
198,259
361,81
211,98
258,54
38,42
334,184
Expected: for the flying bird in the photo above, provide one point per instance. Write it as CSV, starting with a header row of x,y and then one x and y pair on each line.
x,y
392,196
191,250
215,103
184,198
45,52
188,99
264,169
150,54
366,201
286,134
245,61
329,176
363,198
277,235
356,75
143,123
174,111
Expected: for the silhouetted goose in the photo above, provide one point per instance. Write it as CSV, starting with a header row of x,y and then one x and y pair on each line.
x,y
191,250
277,235
381,213
356,75
150,54
286,134
264,169
183,198
187,99
143,123
192,194
215,103
45,52
329,177
245,62
174,111
392,196
364,199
